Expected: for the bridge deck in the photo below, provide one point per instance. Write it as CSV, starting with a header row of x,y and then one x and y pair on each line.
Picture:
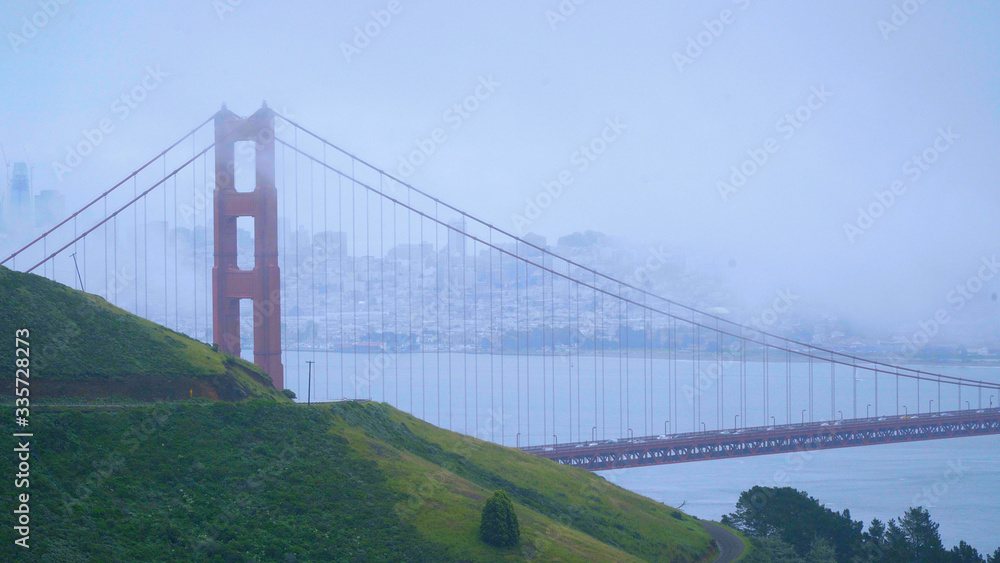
x,y
700,446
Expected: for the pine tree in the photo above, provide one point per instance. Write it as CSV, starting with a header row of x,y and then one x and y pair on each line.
x,y
499,525
924,538
965,553
821,551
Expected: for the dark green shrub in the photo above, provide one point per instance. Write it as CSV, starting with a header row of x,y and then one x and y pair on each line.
x,y
288,393
499,526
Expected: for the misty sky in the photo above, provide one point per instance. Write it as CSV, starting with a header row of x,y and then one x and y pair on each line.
x,y
870,97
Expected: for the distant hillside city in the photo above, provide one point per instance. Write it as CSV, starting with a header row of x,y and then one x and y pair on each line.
x,y
342,292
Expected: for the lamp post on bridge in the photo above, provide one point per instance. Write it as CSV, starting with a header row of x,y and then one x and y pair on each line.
x,y
772,421
991,401
703,428
906,412
868,413
665,423
555,439
735,417
968,406
517,440
593,434
804,416
841,414
630,434
930,405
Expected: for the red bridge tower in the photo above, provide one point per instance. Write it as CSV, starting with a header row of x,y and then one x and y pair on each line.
x,y
229,283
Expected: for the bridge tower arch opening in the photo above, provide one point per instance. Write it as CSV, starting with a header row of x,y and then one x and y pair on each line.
x,y
230,284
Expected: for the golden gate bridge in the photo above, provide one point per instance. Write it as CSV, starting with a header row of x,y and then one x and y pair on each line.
x,y
391,294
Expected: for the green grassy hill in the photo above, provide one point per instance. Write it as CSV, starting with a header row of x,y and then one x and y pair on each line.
x,y
266,481
84,347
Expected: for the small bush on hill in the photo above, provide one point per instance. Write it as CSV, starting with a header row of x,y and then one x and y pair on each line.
x,y
499,526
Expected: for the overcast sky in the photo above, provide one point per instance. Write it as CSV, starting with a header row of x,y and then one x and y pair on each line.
x,y
682,93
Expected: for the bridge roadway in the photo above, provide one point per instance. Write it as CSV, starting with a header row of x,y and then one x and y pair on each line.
x,y
764,440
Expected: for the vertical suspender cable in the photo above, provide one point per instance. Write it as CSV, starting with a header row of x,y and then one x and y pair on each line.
x,y
569,349
423,353
594,433
545,382
503,402
368,296
312,270
552,341
475,326
409,286
326,276
395,299
381,283
296,265
621,399
343,282
465,337
448,280
355,337
517,330
437,313
492,315
135,248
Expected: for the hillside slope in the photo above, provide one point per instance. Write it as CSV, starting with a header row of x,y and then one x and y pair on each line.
x,y
432,457
84,347
266,481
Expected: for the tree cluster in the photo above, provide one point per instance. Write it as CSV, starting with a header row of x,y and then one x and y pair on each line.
x,y
788,525
499,526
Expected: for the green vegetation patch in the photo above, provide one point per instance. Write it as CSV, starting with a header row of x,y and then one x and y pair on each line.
x,y
573,497
75,336
254,481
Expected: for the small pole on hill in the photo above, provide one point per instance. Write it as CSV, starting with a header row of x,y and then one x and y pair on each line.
x,y
309,384
78,276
